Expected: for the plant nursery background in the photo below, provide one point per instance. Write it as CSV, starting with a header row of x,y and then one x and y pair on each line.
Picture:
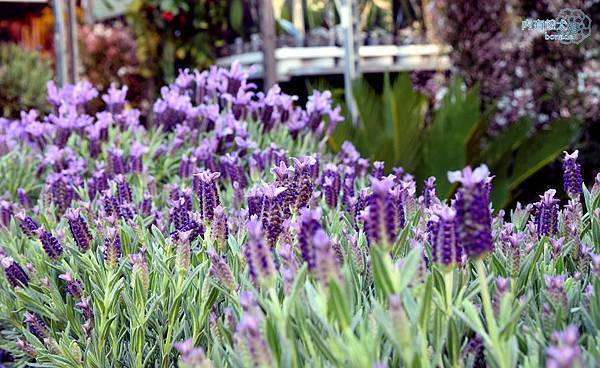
x,y
293,183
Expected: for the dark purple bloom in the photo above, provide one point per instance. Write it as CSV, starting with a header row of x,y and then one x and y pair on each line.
x,y
205,187
572,175
6,212
179,214
378,167
254,199
443,236
26,224
116,162
79,229
14,273
272,212
303,180
146,205
50,244
123,190
472,210
36,325
429,196
546,215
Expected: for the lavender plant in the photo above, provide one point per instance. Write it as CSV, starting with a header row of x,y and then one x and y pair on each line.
x,y
224,233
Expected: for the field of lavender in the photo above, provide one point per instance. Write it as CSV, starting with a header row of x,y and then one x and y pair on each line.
x,y
222,232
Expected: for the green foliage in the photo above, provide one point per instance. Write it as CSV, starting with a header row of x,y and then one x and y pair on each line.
x,y
23,75
392,128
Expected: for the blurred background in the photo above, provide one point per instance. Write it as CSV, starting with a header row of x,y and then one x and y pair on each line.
x,y
429,85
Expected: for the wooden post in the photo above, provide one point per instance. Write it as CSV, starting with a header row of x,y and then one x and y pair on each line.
x,y
267,28
298,20
59,42
72,37
351,30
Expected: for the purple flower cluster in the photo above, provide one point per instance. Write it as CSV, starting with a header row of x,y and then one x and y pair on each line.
x,y
14,273
443,236
546,214
572,175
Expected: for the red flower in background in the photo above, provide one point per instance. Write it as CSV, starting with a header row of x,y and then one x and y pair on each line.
x,y
167,16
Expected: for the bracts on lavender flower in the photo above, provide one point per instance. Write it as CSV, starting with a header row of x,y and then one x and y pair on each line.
x,y
429,195
380,214
26,224
72,285
572,175
112,248
79,229
50,244
26,348
14,273
472,210
304,180
502,288
555,292
443,236
123,190
139,269
183,252
259,256
546,215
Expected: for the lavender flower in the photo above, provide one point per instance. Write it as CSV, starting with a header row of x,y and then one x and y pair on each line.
x,y
36,325
136,152
183,252
112,247
250,341
23,198
192,357
378,167
26,348
116,162
6,212
443,236
26,224
502,286
258,256
472,210
219,231
303,180
272,212
546,216
115,98
565,353
79,229
555,291
572,175
380,216
429,196
72,285
204,184
14,273
220,270
51,246
139,268
327,267
308,227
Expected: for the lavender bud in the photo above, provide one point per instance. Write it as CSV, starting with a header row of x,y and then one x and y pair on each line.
x,y
123,190
26,224
26,348
251,343
183,252
378,167
380,221
309,225
192,357
6,212
555,291
23,198
327,267
140,269
429,196
502,286
565,353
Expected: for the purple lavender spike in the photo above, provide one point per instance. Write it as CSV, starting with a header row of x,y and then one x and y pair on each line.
x,y
26,224
36,325
546,216
50,244
112,247
443,236
219,231
472,210
308,227
79,229
23,198
572,175
380,220
72,285
14,273
258,256
123,190
221,271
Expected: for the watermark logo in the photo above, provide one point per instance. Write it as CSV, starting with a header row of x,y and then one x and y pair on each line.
x,y
571,26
